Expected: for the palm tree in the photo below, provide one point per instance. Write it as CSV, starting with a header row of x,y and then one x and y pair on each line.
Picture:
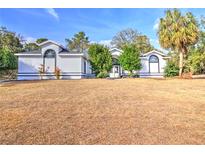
x,y
178,32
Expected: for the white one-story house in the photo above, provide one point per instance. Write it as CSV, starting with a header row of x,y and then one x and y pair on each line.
x,y
76,65
153,64
50,56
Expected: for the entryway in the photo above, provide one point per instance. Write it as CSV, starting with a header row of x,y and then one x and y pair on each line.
x,y
115,71
49,61
154,64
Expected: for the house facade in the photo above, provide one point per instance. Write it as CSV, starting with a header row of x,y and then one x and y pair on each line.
x,y
50,56
153,64
76,65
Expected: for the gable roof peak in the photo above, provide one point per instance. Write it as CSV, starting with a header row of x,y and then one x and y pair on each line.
x,y
50,41
115,49
155,51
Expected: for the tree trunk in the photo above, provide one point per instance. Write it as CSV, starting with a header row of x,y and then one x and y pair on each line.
x,y
181,58
130,74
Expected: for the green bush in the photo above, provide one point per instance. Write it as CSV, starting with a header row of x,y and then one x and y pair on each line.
x,y
100,59
7,59
130,59
195,63
102,75
134,75
171,70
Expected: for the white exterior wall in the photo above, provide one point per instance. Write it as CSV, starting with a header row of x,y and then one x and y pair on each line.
x,y
144,72
145,65
70,67
82,65
88,68
116,53
162,62
29,65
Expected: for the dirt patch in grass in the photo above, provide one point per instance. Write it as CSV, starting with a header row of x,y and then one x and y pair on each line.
x,y
95,111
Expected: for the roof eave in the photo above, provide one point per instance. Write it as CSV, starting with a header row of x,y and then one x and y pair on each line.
x,y
162,54
28,54
50,41
115,49
71,54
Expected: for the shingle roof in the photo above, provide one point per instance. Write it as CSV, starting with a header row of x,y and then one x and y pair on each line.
x,y
64,51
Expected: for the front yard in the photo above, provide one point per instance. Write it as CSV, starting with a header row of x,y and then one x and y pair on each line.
x,y
95,111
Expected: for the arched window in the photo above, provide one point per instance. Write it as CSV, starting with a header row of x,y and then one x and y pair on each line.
x,y
153,59
50,54
154,64
49,60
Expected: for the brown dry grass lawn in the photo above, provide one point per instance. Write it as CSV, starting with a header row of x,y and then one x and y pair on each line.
x,y
95,111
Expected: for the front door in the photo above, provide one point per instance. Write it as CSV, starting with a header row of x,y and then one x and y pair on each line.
x,y
50,64
115,72
153,64
154,67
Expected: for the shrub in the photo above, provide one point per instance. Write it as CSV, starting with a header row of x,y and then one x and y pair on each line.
x,y
195,63
57,73
7,59
41,70
130,59
102,75
135,75
171,70
100,59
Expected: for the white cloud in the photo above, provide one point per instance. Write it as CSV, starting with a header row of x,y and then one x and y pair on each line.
x,y
156,24
105,42
29,39
53,13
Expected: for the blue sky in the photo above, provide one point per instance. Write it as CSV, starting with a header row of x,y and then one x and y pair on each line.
x,y
99,24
